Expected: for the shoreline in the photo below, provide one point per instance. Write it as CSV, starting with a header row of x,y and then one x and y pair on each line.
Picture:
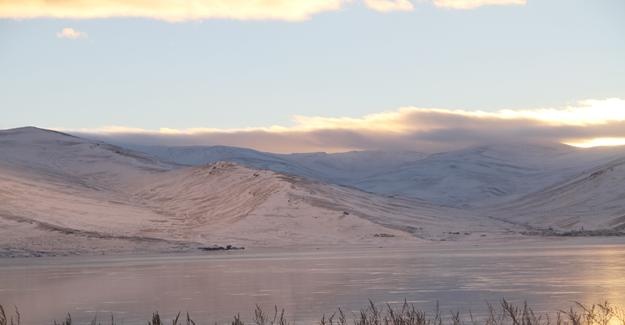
x,y
480,247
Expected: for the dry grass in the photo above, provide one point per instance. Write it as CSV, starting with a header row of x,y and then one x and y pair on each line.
x,y
9,320
503,314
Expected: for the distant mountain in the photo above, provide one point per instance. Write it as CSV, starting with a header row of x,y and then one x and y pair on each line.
x,y
203,155
339,168
232,203
63,194
348,167
475,176
66,158
593,199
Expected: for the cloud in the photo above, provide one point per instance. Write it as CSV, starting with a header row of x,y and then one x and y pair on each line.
x,y
71,33
598,142
585,123
173,11
389,5
472,4
186,10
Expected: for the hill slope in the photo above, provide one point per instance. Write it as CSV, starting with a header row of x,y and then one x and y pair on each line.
x,y
476,176
65,194
339,168
592,200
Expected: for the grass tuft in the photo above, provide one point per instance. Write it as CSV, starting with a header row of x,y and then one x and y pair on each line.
x,y
505,313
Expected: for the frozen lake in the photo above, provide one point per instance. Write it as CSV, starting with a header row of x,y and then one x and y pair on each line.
x,y
310,283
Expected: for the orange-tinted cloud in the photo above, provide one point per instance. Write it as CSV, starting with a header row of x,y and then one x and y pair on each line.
x,y
185,10
389,5
472,4
290,10
71,33
410,128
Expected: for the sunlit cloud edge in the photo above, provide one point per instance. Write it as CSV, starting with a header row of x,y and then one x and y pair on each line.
x,y
194,10
586,123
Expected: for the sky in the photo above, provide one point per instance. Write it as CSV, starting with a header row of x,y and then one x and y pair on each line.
x,y
317,75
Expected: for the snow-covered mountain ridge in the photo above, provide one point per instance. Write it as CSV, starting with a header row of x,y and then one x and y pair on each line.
x,y
474,177
64,194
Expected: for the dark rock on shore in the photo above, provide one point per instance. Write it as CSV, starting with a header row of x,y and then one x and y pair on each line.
x,y
219,248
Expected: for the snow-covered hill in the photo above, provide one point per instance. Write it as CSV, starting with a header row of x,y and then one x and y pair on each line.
x,y
475,176
533,184
238,204
592,200
339,168
55,155
347,168
65,194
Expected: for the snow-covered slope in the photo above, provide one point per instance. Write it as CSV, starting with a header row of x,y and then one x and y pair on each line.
x,y
65,194
60,193
473,176
592,200
338,168
203,155
51,154
476,176
233,203
527,183
347,168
